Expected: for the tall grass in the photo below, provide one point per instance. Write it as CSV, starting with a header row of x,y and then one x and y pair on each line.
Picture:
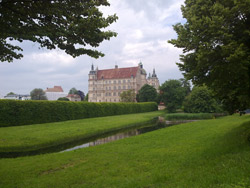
x,y
188,116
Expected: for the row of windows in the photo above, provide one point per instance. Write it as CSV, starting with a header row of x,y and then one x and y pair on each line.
x,y
108,94
116,81
119,87
116,87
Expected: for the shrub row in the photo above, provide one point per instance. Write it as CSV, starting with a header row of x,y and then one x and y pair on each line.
x,y
13,113
189,116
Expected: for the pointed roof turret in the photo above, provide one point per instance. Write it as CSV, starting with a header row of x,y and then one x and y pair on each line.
x,y
154,75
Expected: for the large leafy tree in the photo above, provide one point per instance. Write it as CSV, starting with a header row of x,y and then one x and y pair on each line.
x,y
172,94
73,90
216,45
201,100
38,94
147,93
70,25
128,96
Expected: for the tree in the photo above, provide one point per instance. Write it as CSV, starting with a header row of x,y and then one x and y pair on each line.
x,y
38,94
73,91
86,97
69,25
77,92
128,96
81,94
201,100
216,45
147,93
63,99
10,93
172,94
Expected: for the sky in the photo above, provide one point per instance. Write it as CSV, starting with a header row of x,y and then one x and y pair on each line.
x,y
143,28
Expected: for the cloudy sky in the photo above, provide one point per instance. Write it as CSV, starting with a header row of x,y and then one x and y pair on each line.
x,y
143,28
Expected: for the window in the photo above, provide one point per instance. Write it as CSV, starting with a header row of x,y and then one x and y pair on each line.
x,y
124,81
119,87
109,88
128,81
114,94
114,87
114,82
124,87
119,81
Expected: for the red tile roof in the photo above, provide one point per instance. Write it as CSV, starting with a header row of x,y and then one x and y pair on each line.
x,y
73,96
117,73
55,89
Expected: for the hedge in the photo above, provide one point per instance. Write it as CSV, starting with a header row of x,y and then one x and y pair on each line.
x,y
14,113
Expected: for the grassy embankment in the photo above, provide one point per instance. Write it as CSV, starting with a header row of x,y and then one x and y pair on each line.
x,y
208,153
189,116
35,137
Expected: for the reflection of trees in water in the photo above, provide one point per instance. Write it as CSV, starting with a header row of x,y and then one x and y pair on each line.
x,y
114,137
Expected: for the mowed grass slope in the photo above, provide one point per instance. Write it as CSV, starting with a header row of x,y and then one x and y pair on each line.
x,y
209,153
33,137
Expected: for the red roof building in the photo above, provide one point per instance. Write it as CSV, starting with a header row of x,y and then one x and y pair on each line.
x,y
55,89
55,93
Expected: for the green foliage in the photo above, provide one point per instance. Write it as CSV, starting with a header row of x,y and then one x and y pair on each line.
x,y
172,94
215,40
38,94
73,91
128,96
14,113
147,94
68,25
10,93
86,98
63,99
201,100
185,116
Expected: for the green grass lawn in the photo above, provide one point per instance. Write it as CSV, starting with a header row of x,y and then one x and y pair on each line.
x,y
34,137
208,153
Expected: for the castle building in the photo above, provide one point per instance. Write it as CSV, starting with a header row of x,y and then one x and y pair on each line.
x,y
107,85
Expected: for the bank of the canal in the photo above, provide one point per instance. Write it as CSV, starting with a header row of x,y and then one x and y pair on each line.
x,y
209,153
52,137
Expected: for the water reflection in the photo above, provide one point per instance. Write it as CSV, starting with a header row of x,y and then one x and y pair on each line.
x,y
119,136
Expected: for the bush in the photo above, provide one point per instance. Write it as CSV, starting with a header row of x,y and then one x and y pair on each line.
x,y
13,113
201,100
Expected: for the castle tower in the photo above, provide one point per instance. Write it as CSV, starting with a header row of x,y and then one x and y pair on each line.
x,y
92,84
153,81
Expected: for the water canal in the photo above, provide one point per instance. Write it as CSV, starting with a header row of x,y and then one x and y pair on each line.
x,y
126,134
96,140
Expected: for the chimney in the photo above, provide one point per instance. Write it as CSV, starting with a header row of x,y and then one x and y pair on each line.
x,y
116,66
